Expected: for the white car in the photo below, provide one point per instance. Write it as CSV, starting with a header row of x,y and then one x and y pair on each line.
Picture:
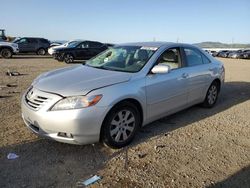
x,y
120,90
7,49
51,50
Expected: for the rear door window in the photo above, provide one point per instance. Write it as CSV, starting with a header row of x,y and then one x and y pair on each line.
x,y
31,40
193,57
83,45
44,41
205,59
95,44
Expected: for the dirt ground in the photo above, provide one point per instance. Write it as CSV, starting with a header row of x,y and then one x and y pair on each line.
x,y
194,148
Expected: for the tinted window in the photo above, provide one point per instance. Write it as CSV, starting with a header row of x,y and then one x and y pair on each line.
x,y
193,57
171,57
31,40
95,45
44,41
74,44
83,45
23,40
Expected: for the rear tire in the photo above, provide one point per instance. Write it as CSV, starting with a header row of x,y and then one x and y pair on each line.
x,y
120,125
68,58
41,51
6,53
212,95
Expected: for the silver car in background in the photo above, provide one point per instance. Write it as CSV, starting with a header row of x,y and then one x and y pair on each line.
x,y
124,88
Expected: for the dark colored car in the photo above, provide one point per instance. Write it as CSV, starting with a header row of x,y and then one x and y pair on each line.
x,y
235,54
109,45
29,44
223,53
245,54
79,50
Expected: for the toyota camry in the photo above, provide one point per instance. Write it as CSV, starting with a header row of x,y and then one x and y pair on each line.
x,y
119,91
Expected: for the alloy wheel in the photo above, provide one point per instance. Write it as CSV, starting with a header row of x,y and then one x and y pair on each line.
x,y
41,52
6,53
122,126
212,94
68,58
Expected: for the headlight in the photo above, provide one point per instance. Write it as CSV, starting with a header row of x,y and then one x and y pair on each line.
x,y
76,102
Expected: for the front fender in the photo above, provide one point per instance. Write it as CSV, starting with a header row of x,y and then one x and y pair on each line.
x,y
133,89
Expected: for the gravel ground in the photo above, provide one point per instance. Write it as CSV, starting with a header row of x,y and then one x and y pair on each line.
x,y
194,148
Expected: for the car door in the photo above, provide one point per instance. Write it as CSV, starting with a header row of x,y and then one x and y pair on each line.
x,y
32,44
82,51
199,70
167,93
23,45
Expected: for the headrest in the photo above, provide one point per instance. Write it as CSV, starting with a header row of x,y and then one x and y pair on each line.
x,y
169,56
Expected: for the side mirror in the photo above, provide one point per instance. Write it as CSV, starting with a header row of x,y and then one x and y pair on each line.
x,y
160,69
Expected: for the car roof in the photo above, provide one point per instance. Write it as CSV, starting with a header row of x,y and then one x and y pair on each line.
x,y
33,38
156,44
151,44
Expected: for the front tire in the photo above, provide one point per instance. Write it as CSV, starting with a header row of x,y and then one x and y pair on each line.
x,y
6,53
68,58
120,125
212,95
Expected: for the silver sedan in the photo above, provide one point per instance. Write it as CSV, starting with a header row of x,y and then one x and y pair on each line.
x,y
122,89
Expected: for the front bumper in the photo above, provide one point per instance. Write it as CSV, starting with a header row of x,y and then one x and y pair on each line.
x,y
15,50
82,126
51,51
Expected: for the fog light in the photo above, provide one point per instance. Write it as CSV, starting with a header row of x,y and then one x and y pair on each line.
x,y
65,135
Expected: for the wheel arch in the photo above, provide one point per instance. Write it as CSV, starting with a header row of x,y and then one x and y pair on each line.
x,y
217,81
8,47
133,101
40,49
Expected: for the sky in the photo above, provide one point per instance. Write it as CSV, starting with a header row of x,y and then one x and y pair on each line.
x,y
117,21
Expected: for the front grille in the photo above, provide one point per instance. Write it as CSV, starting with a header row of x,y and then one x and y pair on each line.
x,y
34,100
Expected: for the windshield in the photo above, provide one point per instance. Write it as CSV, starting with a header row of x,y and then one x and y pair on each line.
x,y
16,39
123,58
73,44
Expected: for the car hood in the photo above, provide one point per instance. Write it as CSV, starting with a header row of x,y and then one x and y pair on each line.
x,y
6,43
78,80
58,47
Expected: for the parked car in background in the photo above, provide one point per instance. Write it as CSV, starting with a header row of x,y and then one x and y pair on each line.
x,y
215,53
7,49
245,54
109,45
52,49
208,51
223,53
52,44
80,50
235,54
122,89
31,44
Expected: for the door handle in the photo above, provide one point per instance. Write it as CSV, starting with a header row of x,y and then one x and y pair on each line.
x,y
184,75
